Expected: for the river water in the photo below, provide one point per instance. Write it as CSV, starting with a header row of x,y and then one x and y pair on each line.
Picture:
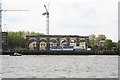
x,y
60,66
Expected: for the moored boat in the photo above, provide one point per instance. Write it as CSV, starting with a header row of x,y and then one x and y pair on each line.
x,y
16,54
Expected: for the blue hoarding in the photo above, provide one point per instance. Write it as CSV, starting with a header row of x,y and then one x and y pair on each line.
x,y
56,47
65,47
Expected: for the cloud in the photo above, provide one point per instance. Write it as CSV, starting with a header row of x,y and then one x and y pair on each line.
x,y
75,17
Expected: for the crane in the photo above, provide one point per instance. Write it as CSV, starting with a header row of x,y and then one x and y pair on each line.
x,y
1,10
47,17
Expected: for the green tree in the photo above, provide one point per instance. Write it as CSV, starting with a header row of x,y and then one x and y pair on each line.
x,y
114,44
92,39
108,44
101,47
99,38
17,39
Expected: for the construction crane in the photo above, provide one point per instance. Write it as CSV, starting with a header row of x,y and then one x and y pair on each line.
x,y
1,10
47,17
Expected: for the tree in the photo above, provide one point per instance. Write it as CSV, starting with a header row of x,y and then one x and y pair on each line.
x,y
92,39
108,44
17,39
101,47
114,44
99,38
94,47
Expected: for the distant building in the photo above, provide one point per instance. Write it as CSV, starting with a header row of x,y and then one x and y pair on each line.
x,y
45,42
4,40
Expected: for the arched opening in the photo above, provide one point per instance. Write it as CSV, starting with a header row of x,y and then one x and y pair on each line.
x,y
82,43
33,44
73,42
43,45
53,42
63,42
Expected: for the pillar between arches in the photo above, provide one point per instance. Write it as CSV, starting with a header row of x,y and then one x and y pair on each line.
x,y
27,43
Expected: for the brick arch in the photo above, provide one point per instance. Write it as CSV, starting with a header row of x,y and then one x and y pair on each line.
x,y
72,43
63,41
45,39
73,39
52,43
42,40
82,40
53,39
31,40
43,44
32,44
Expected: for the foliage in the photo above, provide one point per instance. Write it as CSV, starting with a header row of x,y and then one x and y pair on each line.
x,y
108,44
114,44
99,38
101,47
54,41
17,39
92,39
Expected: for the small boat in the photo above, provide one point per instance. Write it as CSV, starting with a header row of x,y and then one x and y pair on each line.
x,y
16,54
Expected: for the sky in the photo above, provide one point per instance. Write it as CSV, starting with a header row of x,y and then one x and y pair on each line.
x,y
67,17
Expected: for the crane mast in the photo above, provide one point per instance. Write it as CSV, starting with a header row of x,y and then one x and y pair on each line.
x,y
47,20
47,17
0,29
47,23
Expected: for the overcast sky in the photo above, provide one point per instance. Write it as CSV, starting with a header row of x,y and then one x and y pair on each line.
x,y
67,17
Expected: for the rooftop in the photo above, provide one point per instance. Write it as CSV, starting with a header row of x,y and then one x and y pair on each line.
x,y
57,36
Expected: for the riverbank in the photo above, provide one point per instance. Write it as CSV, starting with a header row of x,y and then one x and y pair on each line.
x,y
64,53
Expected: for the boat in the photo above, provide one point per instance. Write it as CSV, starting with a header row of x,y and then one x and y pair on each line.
x,y
16,54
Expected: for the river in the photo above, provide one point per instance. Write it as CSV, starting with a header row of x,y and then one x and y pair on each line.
x,y
60,66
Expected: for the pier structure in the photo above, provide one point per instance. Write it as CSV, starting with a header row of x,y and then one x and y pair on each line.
x,y
44,42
